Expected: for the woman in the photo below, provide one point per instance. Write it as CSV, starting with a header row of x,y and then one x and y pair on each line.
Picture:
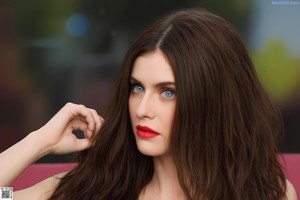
x,y
188,120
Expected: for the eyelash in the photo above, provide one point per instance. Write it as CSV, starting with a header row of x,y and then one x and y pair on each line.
x,y
133,87
168,90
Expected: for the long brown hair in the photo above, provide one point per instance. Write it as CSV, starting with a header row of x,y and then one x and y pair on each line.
x,y
226,129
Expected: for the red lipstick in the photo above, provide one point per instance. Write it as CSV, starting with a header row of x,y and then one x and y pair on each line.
x,y
145,132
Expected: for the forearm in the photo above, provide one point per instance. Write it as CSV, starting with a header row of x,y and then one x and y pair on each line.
x,y
55,137
17,158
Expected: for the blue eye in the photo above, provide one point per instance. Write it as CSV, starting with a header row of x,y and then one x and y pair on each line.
x,y
138,89
168,94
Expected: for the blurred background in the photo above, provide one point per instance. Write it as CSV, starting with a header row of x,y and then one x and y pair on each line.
x,y
53,52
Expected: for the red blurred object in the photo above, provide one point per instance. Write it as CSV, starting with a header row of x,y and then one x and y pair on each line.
x,y
291,164
37,172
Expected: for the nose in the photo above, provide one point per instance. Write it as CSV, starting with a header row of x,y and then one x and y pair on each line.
x,y
145,107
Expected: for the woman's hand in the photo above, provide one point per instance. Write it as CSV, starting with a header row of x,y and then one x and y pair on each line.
x,y
55,137
57,133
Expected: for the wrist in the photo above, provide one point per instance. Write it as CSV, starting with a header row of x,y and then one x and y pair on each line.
x,y
39,142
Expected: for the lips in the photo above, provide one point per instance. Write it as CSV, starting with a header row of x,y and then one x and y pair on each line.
x,y
145,132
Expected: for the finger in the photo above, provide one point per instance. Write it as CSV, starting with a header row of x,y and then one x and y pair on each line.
x,y
82,144
98,120
81,110
88,132
78,124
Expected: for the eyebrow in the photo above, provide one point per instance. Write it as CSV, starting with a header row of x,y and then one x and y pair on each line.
x,y
161,84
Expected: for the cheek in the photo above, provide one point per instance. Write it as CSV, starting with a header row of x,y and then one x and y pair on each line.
x,y
169,115
131,107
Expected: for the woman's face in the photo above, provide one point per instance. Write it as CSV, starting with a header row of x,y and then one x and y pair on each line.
x,y
152,103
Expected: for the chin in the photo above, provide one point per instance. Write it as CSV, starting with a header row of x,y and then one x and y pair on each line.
x,y
149,149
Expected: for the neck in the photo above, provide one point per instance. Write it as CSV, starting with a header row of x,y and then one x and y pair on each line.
x,y
165,182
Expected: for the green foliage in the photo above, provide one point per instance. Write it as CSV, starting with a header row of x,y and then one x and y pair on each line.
x,y
277,71
43,19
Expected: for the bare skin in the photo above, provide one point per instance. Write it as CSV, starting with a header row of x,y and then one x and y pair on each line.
x,y
60,140
164,184
42,190
152,104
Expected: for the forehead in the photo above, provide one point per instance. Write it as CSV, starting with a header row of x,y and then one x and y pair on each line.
x,y
154,66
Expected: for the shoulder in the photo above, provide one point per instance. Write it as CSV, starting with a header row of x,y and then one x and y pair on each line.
x,y
290,191
42,190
